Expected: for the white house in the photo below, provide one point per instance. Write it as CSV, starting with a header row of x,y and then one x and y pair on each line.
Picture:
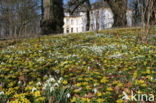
x,y
101,17
75,23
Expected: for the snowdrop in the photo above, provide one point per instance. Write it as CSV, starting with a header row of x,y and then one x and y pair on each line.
x,y
19,82
60,79
38,84
1,93
33,89
52,89
51,79
68,95
56,85
95,90
118,55
57,71
40,59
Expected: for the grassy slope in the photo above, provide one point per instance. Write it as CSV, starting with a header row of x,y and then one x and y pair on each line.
x,y
110,62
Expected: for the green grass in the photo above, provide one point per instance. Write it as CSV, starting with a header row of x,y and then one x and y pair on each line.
x,y
95,68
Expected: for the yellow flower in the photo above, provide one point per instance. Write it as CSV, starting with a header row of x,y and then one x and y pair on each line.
x,y
80,78
120,84
30,83
87,79
104,80
88,87
77,90
78,84
119,101
85,83
37,94
135,75
73,100
41,99
86,100
100,100
109,89
29,88
148,71
99,94
10,91
10,84
141,83
65,82
20,100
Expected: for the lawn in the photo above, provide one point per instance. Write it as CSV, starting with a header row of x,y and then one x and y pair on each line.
x,y
78,68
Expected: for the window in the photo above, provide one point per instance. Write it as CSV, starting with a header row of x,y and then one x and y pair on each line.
x,y
71,30
67,30
98,13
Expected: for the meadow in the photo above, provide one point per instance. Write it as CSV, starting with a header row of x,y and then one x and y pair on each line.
x,y
78,68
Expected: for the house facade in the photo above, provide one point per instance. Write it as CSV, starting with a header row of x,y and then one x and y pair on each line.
x,y
75,23
101,18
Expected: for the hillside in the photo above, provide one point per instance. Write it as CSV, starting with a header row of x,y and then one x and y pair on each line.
x,y
77,68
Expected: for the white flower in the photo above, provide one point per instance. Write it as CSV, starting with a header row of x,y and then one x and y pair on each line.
x,y
51,80
95,90
57,71
38,84
118,55
60,79
56,85
33,89
19,82
68,95
51,89
1,93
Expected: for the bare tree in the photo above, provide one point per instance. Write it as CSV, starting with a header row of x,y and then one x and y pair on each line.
x,y
146,7
19,17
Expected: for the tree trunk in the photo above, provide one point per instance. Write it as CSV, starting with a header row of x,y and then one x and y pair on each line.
x,y
153,17
52,17
119,8
88,14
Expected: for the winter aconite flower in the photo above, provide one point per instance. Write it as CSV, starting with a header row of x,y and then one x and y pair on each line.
x,y
104,80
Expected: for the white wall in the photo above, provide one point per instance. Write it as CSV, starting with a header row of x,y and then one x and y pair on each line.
x,y
75,24
101,19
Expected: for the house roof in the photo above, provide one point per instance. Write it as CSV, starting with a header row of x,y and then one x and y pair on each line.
x,y
94,6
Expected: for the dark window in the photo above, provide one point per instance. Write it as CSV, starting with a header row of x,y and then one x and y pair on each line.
x,y
71,30
67,30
